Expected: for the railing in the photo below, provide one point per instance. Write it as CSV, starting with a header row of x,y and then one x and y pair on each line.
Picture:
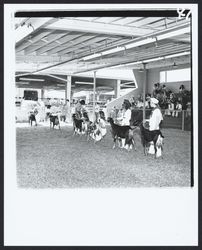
x,y
179,119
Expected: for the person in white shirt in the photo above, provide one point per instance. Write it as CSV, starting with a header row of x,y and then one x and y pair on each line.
x,y
126,114
170,109
178,109
125,119
156,116
154,122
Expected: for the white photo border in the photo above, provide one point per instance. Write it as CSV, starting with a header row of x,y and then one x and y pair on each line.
x,y
97,217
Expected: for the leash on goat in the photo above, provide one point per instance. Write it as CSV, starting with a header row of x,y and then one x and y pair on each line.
x,y
134,127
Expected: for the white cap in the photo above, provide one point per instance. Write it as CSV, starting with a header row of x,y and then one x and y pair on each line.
x,y
154,100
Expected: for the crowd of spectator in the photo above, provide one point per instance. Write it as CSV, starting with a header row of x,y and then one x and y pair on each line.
x,y
170,102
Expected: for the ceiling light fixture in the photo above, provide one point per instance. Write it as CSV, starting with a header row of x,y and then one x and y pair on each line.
x,y
92,56
62,85
133,63
24,83
153,59
141,42
87,83
174,33
178,54
31,79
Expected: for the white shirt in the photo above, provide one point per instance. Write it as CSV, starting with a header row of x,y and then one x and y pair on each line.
x,y
171,106
179,106
126,118
155,120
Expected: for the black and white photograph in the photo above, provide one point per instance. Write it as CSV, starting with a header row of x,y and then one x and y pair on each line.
x,y
101,115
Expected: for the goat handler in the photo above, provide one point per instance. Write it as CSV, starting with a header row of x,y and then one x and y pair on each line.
x,y
155,120
125,120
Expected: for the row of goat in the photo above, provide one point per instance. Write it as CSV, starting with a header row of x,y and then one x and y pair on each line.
x,y
94,130
123,136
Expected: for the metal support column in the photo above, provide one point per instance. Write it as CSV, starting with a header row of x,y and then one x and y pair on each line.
x,y
68,89
183,117
42,94
117,88
144,89
94,88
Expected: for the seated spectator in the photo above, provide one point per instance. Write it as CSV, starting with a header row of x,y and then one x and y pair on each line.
x,y
164,89
163,103
188,110
185,95
182,88
147,101
170,109
132,100
156,89
148,96
178,109
139,104
172,98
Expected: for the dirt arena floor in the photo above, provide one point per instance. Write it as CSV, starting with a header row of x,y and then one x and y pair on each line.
x,y
53,159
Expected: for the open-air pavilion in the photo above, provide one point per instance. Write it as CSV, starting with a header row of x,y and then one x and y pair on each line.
x,y
102,52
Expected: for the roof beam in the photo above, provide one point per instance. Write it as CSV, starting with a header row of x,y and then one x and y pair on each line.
x,y
33,40
40,58
32,26
125,20
41,48
63,40
52,43
79,43
145,21
96,27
